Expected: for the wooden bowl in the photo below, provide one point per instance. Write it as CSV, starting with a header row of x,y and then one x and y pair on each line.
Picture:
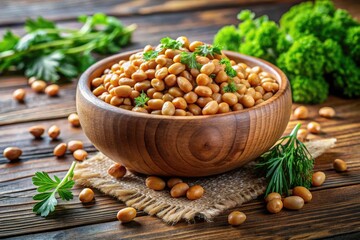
x,y
190,146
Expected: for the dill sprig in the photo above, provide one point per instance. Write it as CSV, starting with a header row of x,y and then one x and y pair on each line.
x,y
287,164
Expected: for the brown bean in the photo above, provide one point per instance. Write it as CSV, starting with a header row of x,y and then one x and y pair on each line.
x,y
99,90
128,69
170,80
195,192
237,107
150,92
207,68
214,87
221,76
314,127
168,109
12,153
302,192
230,98
74,145
340,165
194,109
80,154
253,79
293,202
60,150
155,183
203,79
179,190
126,81
247,101
158,84
117,170
180,103
157,112
31,80
19,94
155,104
167,97
180,112
157,95
122,91
38,86
74,120
203,91
184,40
142,86
217,97
275,205
210,108
301,112
271,196
318,179
54,132
191,97
236,218
139,76
176,92
184,84
176,68
126,214
327,112
267,95
86,195
161,73
302,134
194,45
37,131
223,107
202,101
116,101
173,181
52,90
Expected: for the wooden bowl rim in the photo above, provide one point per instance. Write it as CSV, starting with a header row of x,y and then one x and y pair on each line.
x,y
84,88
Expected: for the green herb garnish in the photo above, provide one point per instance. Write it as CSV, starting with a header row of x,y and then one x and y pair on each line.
x,y
48,198
50,53
170,43
208,50
287,164
190,60
231,87
141,100
228,68
150,55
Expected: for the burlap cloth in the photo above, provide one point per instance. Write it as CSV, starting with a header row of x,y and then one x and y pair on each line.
x,y
222,192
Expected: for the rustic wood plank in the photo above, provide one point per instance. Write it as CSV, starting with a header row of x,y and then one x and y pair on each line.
x,y
19,136
16,12
313,221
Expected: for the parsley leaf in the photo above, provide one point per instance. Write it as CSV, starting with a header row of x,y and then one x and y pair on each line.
x,y
141,100
228,68
149,55
45,66
189,59
52,53
32,25
170,43
231,87
47,198
207,50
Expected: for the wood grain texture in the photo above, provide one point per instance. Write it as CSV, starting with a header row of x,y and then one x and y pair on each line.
x,y
333,214
183,146
16,13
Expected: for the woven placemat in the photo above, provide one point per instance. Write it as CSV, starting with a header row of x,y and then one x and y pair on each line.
x,y
222,192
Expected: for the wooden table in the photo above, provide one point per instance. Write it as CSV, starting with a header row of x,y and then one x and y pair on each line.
x,y
334,212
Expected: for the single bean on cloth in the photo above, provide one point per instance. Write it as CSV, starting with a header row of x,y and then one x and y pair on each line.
x,y
222,192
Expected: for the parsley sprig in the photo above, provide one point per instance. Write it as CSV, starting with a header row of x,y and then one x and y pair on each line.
x,y
228,68
149,55
51,53
141,100
208,50
48,187
287,164
189,59
231,87
170,43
